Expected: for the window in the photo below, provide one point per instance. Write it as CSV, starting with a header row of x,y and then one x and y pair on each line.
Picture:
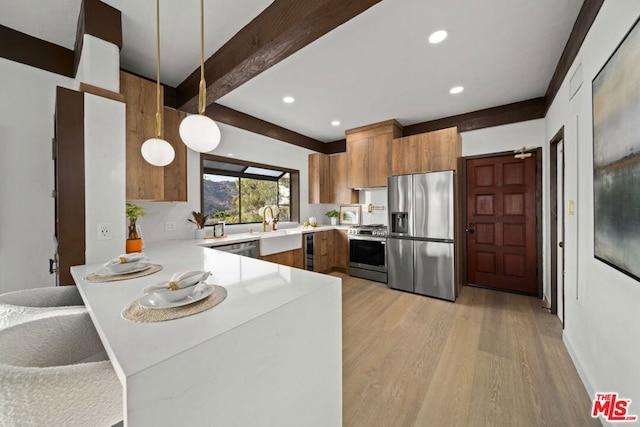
x,y
236,190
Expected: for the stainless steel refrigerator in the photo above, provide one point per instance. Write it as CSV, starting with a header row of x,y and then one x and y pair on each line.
x,y
420,244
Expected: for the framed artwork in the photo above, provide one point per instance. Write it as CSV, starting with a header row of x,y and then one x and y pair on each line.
x,y
616,157
350,214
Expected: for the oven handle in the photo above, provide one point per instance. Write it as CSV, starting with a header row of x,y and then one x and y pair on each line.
x,y
383,240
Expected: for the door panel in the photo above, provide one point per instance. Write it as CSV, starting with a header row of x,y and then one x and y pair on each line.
x,y
400,264
560,230
501,223
434,270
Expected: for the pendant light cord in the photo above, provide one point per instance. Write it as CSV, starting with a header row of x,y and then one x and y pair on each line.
x,y
202,97
158,115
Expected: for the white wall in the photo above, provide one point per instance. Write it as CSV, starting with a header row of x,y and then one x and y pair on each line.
x,y
26,175
104,163
507,138
245,146
99,64
602,327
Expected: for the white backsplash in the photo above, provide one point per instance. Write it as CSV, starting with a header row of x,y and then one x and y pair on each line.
x,y
378,198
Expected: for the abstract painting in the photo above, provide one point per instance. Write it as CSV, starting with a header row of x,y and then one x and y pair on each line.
x,y
616,157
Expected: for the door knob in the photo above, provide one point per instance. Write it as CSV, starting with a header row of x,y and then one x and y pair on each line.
x,y
561,245
470,228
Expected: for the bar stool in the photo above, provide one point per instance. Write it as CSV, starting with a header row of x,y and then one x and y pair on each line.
x,y
29,304
54,371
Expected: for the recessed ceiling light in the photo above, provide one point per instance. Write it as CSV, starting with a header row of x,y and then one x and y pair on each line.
x,y
288,99
335,123
455,90
437,37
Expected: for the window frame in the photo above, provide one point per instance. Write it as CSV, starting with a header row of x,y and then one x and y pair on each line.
x,y
294,180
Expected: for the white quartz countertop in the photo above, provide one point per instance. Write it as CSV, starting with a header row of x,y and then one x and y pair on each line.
x,y
254,288
230,239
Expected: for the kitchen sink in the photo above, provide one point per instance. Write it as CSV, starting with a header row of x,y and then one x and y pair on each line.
x,y
273,242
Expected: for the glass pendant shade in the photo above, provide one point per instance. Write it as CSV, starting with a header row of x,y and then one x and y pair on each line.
x,y
199,133
158,152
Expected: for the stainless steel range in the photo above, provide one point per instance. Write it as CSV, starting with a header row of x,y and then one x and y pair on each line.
x,y
368,252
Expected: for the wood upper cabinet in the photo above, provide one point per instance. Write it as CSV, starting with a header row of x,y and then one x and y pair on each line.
x,y
145,181
319,178
339,192
426,152
369,154
328,179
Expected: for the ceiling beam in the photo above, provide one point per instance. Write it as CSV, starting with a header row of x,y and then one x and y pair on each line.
x,y
95,18
99,20
586,16
489,117
29,50
235,118
282,29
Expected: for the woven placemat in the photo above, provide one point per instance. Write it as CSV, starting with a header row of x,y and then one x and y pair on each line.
x,y
137,313
95,277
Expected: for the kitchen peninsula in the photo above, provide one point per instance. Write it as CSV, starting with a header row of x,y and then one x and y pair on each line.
x,y
270,354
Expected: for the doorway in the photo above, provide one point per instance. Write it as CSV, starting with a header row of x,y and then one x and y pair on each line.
x,y
503,234
557,225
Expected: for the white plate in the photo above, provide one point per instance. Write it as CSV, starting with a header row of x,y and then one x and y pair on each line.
x,y
104,272
200,292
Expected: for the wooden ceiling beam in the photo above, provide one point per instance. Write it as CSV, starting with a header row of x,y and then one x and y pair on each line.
x,y
32,51
584,21
282,29
237,119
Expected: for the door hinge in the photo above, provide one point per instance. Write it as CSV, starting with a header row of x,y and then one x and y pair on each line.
x,y
53,148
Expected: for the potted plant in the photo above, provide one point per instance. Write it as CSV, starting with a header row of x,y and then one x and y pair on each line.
x,y
333,214
199,219
134,242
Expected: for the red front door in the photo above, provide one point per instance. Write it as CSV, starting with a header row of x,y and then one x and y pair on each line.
x,y
501,223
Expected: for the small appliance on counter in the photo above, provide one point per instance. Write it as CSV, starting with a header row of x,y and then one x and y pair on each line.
x,y
368,252
421,239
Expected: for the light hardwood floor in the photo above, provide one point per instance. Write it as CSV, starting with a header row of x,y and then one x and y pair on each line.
x,y
489,359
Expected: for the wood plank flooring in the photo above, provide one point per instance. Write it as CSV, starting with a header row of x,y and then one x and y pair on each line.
x,y
489,359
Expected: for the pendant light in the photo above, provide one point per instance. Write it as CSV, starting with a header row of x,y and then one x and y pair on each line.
x,y
198,131
156,150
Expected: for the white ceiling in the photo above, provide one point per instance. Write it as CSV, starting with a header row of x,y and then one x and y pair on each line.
x,y
375,67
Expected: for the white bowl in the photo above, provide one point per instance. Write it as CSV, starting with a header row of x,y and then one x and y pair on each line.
x,y
174,296
127,267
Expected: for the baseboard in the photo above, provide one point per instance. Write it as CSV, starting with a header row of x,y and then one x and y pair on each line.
x,y
582,373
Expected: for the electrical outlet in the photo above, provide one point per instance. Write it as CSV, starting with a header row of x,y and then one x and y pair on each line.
x,y
104,231
170,226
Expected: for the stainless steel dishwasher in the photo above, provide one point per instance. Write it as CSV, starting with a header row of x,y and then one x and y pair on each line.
x,y
248,249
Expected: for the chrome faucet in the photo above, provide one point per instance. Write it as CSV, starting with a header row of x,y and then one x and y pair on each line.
x,y
264,217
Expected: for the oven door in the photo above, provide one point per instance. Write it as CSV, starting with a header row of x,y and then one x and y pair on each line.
x,y
368,253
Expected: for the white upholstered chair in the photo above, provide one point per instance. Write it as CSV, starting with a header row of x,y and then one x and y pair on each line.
x,y
54,371
30,304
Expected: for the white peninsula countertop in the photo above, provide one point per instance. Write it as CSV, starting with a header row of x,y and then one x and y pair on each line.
x,y
269,355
